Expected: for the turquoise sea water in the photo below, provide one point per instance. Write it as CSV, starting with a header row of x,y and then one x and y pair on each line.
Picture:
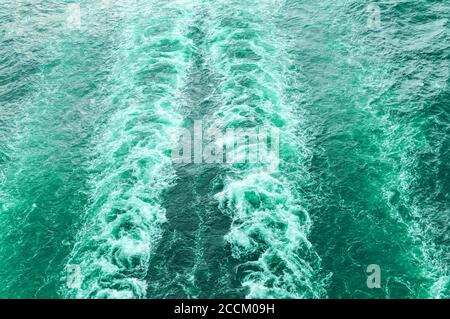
x,y
93,206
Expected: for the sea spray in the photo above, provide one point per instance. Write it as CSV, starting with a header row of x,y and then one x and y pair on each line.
x,y
133,165
269,227
357,89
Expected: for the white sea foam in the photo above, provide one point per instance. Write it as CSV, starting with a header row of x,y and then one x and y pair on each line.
x,y
269,227
132,166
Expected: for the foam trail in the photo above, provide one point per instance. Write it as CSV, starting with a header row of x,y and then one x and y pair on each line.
x,y
416,94
269,227
417,145
132,166
377,102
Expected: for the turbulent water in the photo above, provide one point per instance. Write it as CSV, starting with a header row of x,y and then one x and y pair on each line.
x,y
93,204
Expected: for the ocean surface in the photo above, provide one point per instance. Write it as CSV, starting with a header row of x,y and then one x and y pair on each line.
x,y
92,204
